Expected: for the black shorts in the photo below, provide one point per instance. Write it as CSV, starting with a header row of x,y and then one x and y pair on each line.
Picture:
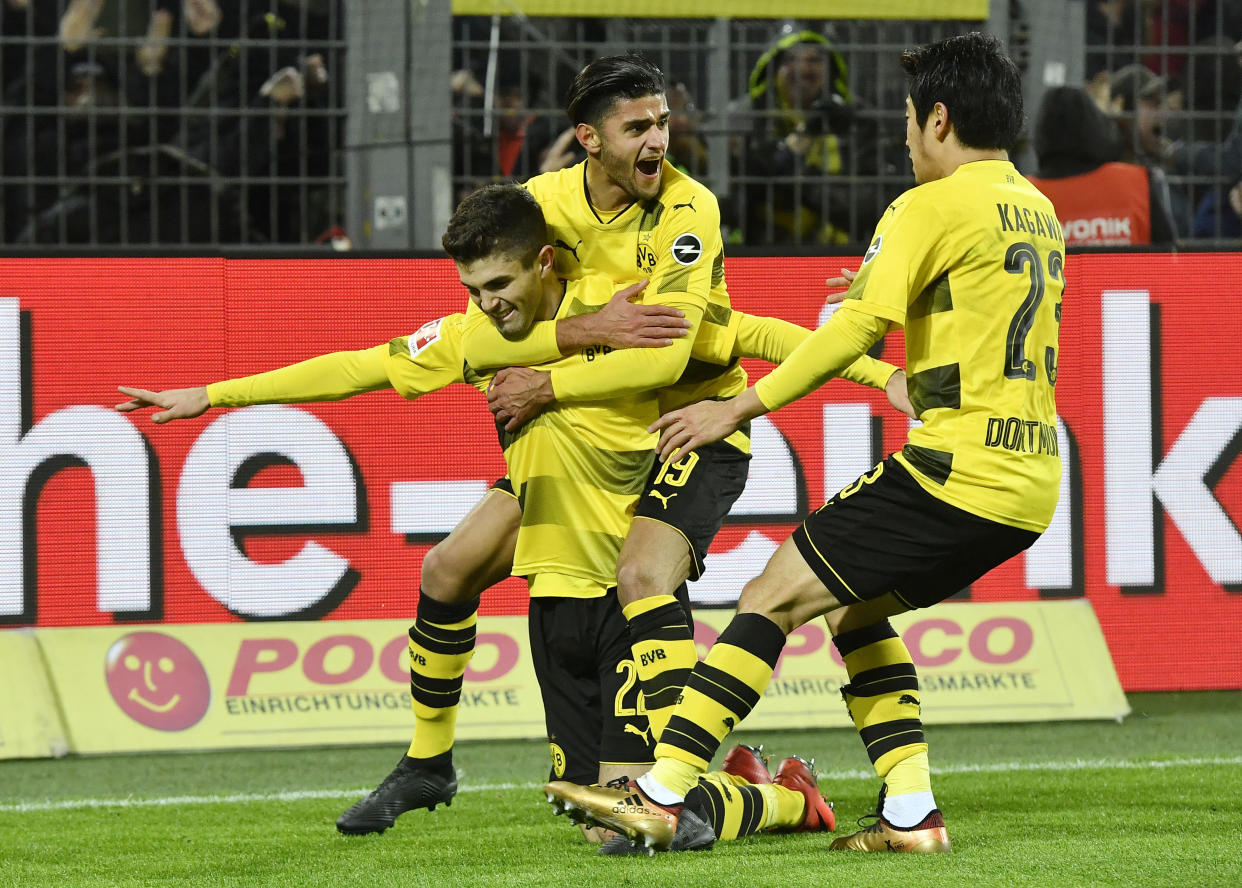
x,y
884,533
694,494
581,653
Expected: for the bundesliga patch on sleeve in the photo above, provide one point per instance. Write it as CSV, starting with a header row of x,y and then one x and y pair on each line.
x,y
427,334
687,249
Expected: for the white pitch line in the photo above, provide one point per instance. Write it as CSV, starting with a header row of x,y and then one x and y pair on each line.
x,y
302,795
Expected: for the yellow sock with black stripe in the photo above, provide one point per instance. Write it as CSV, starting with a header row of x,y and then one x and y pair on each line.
x,y
720,692
441,644
883,699
662,643
736,808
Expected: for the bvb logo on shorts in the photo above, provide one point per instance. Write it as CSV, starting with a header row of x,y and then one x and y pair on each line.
x,y
558,759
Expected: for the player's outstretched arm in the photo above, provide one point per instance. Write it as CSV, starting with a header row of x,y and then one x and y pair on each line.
x,y
329,377
183,403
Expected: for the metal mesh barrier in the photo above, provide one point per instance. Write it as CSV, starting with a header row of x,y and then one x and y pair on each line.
x,y
225,122
1170,73
797,128
150,122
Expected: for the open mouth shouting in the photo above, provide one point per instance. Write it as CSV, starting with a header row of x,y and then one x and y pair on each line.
x,y
649,168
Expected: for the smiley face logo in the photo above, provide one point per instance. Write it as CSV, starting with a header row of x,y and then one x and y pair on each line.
x,y
157,681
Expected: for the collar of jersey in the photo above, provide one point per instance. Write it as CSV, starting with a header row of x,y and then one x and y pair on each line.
x,y
586,195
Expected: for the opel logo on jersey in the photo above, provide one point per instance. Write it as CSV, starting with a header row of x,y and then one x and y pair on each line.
x,y
874,249
687,249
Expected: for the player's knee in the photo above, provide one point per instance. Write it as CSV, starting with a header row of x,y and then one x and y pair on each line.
x,y
445,577
771,600
636,579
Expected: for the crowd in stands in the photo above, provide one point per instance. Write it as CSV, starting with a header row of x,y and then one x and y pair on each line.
x,y
179,122
1148,149
219,97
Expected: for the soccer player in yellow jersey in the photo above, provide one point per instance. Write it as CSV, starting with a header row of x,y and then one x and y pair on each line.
x,y
578,471
971,263
626,212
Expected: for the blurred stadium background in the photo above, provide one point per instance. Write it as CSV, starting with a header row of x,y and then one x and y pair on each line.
x,y
307,124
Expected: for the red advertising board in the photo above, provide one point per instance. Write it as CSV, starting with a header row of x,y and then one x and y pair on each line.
x,y
326,510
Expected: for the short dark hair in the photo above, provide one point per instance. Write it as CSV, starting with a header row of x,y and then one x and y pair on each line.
x,y
496,220
606,81
976,81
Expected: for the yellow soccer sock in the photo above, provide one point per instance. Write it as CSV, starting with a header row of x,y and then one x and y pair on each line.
x,y
720,692
441,644
736,808
662,643
910,775
733,807
882,694
908,795
785,809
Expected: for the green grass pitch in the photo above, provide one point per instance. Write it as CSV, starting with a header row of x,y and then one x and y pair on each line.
x,y
1153,801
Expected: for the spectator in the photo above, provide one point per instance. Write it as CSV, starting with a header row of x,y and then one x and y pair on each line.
x,y
791,131
506,140
1099,200
1208,158
1112,34
1174,25
1139,101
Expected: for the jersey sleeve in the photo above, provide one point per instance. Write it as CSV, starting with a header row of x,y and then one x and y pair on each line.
x,y
774,340
485,349
329,377
687,247
834,346
427,360
768,339
630,370
899,262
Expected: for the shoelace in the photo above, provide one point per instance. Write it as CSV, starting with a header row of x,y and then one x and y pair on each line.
x,y
621,782
872,826
874,816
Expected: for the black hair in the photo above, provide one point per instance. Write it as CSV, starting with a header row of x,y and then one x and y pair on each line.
x,y
606,81
496,220
976,81
1070,127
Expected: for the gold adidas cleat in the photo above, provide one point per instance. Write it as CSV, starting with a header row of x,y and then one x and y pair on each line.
x,y
622,809
929,837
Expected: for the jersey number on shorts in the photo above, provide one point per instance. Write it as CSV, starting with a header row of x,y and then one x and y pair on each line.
x,y
1022,258
619,706
676,474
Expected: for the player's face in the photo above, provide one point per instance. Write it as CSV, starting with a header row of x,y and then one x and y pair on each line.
x,y
510,292
918,139
633,139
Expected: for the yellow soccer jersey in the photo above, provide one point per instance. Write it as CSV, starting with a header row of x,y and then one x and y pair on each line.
x,y
972,266
414,365
578,470
673,239
430,359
